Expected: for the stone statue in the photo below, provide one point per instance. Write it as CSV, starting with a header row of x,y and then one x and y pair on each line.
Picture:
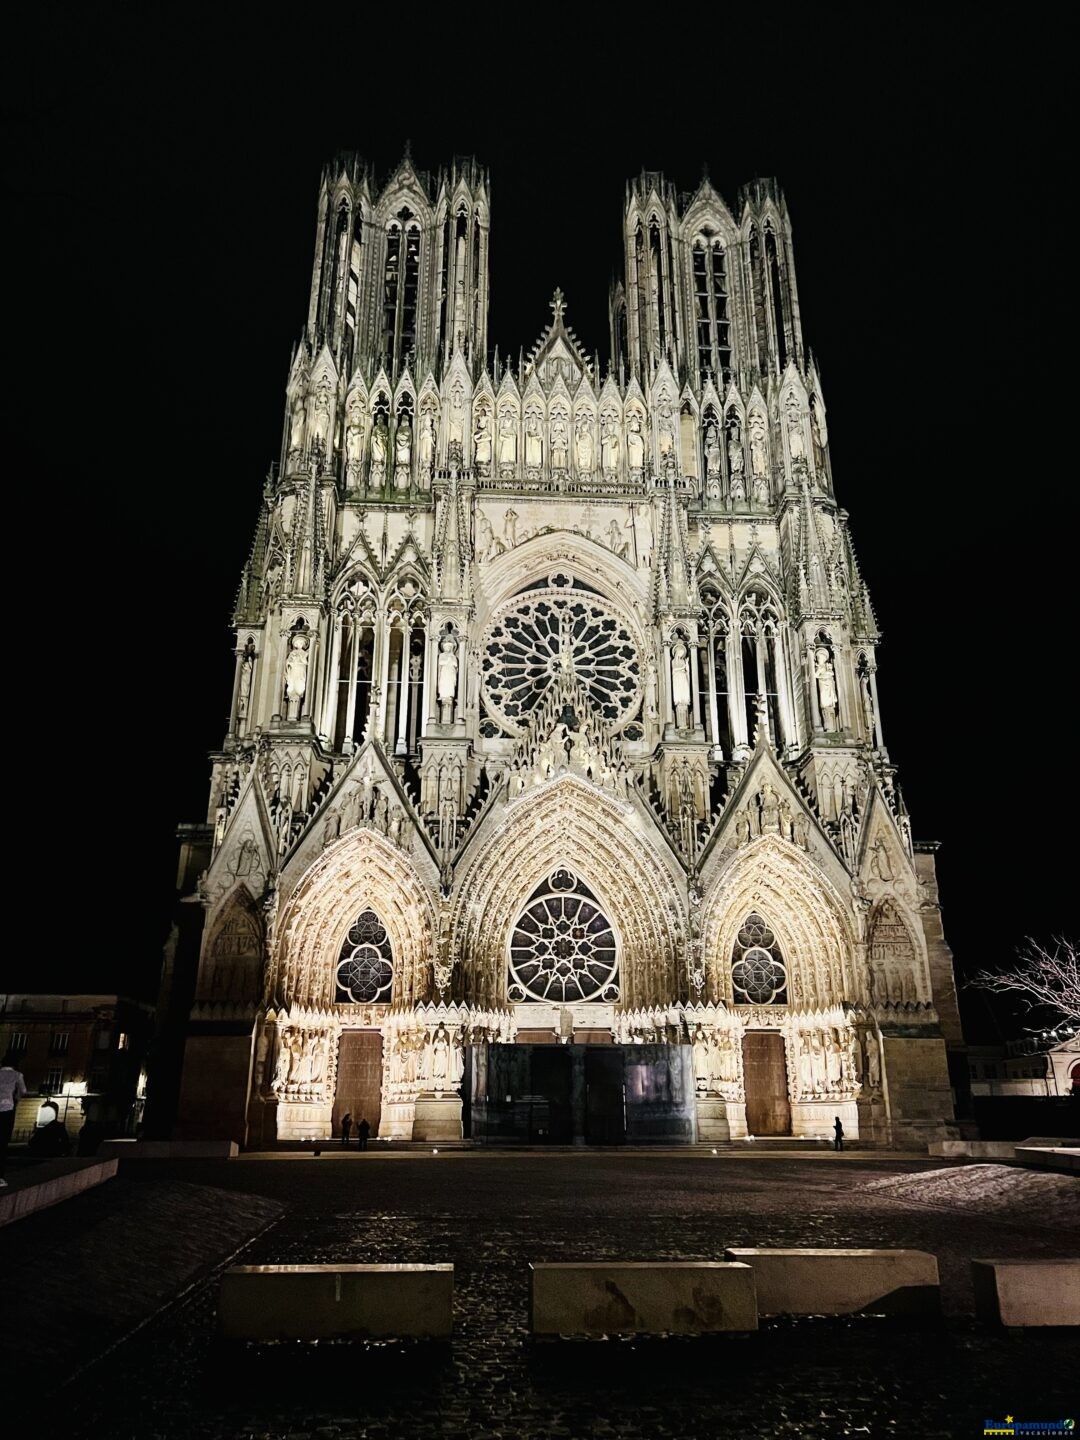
x,y
447,678
770,809
826,683
296,674
262,1046
455,428
584,445
701,1059
734,448
534,442
427,443
680,685
652,700
800,829
832,1060
759,450
873,1063
712,453
482,439
507,438
320,1056
796,444
354,438
284,1064
488,546
247,668
560,443
665,431
440,1057
805,1065
609,442
320,419
742,827
402,453
867,707
635,443
880,864
382,806
298,425
379,442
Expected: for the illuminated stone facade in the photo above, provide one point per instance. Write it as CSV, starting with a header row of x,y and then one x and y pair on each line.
x,y
555,714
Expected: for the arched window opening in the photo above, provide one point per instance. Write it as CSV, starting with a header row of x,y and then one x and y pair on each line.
x,y
475,275
444,284
712,319
656,281
718,666
341,257
352,297
562,948
641,271
365,972
391,279
757,290
411,294
773,261
758,973
759,627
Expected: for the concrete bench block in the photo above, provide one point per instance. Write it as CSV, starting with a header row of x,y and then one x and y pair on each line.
x,y
39,1186
1063,1158
336,1302
843,1282
171,1149
680,1298
1027,1292
973,1149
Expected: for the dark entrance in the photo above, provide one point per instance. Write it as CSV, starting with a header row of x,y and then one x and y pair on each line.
x,y
765,1073
605,1107
359,1079
580,1094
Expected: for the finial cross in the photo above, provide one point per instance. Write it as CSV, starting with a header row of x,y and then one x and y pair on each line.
x,y
557,304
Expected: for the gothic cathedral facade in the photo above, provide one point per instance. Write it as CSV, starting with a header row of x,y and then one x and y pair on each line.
x,y
555,718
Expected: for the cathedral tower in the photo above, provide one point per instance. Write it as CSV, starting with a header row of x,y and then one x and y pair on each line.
x,y
555,717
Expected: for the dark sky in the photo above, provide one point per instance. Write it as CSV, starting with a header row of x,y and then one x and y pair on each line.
x,y
161,172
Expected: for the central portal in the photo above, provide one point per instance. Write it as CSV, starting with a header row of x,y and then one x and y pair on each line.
x,y
581,1094
768,1111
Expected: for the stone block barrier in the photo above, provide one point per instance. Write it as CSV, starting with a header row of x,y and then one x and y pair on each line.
x,y
39,1186
653,1297
171,1149
336,1302
843,1282
1027,1292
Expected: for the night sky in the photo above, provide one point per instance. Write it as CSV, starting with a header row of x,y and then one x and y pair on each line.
x,y
161,171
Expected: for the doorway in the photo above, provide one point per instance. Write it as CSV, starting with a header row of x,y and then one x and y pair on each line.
x,y
605,1103
768,1111
359,1079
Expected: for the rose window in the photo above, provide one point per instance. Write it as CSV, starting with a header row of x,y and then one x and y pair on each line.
x,y
563,946
365,971
757,971
550,632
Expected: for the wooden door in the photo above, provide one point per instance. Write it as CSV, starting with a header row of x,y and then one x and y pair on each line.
x,y
765,1073
359,1079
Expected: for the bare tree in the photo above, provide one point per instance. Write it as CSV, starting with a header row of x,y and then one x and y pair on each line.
x,y
1042,977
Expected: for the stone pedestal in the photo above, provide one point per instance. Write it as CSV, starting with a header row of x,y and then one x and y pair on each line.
x,y
873,1124
714,1119
813,1119
303,1120
396,1120
437,1117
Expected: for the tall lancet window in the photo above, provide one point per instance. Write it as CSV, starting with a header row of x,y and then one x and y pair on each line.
x,y
641,269
352,293
759,626
444,284
711,311
757,291
772,259
401,287
656,280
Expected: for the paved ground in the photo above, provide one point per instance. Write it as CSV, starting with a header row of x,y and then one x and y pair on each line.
x,y
491,1213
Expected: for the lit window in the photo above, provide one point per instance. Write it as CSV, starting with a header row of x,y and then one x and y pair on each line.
x,y
52,1083
122,1043
18,1042
59,1041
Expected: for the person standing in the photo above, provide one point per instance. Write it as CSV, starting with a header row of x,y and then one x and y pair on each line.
x,y
346,1127
12,1089
363,1130
838,1134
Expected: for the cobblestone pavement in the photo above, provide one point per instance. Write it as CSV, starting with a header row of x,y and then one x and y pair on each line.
x,y
490,1215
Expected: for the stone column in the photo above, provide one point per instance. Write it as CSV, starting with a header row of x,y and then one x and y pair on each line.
x,y
381,675
350,712
402,695
714,716
736,693
695,684
815,708
879,740
783,687
333,681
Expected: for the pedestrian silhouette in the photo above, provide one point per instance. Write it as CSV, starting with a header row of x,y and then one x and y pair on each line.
x,y
838,1137
346,1127
363,1130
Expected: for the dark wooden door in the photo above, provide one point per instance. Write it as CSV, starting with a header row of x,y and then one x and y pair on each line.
x,y
359,1079
765,1072
605,1103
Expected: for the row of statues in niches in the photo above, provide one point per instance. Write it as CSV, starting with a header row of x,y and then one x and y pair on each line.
x,y
398,450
